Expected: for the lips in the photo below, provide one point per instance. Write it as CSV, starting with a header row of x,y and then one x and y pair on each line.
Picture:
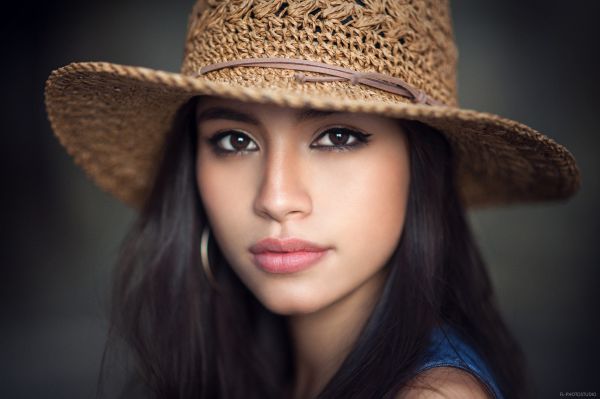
x,y
287,255
285,245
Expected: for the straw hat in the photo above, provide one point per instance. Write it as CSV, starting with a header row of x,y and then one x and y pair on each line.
x,y
390,57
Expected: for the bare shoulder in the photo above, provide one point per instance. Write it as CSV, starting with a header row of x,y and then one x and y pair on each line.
x,y
444,383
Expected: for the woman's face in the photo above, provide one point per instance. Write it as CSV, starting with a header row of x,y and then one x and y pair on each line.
x,y
337,180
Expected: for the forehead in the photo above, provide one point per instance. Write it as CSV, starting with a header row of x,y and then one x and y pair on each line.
x,y
213,108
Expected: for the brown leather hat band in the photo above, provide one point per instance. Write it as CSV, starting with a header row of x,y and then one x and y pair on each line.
x,y
336,73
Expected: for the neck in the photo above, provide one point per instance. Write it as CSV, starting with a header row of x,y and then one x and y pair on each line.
x,y
323,339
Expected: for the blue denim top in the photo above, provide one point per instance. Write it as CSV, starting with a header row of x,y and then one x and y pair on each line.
x,y
447,349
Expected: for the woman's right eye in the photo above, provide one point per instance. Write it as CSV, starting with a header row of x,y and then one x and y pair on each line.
x,y
232,142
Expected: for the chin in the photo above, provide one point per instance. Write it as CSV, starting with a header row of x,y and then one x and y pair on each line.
x,y
289,304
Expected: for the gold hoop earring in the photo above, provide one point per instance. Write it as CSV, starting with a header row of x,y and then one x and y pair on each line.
x,y
204,257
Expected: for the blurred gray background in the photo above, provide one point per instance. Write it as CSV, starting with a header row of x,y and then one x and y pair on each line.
x,y
534,61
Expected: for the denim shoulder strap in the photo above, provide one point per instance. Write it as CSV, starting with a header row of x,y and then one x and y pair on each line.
x,y
447,349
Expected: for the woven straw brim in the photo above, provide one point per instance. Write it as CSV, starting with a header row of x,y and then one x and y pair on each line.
x,y
113,120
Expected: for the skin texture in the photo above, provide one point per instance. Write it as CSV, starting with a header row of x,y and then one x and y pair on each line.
x,y
444,383
353,202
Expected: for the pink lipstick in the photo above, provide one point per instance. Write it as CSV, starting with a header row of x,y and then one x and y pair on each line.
x,y
286,256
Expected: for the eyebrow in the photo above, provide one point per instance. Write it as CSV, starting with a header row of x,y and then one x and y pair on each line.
x,y
239,116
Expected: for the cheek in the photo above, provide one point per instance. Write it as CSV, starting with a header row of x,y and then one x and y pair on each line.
x,y
369,202
226,195
361,207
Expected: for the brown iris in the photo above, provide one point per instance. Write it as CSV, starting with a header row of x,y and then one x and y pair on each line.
x,y
338,136
239,141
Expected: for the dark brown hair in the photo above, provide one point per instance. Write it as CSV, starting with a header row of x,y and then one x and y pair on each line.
x,y
189,341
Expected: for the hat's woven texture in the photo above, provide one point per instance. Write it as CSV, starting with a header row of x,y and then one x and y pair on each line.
x,y
411,40
113,119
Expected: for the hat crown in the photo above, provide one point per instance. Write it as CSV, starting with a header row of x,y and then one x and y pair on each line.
x,y
408,39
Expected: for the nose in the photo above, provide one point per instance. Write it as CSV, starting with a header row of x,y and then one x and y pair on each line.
x,y
282,193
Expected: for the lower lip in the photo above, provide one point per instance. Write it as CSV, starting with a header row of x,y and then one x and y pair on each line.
x,y
287,262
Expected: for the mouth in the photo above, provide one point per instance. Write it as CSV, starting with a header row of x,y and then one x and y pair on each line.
x,y
286,256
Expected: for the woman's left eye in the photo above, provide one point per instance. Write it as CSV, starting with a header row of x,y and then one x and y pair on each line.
x,y
340,139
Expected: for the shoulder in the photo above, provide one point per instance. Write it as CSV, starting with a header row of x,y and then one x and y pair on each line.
x,y
444,383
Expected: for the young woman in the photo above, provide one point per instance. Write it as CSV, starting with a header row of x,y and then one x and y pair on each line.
x,y
302,187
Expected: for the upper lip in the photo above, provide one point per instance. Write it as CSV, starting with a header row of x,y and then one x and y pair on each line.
x,y
270,244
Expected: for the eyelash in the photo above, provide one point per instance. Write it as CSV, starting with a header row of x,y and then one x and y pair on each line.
x,y
361,139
